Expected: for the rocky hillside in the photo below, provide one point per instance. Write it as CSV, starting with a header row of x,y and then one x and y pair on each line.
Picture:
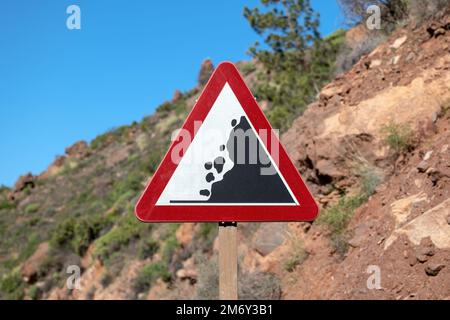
x,y
381,130
374,147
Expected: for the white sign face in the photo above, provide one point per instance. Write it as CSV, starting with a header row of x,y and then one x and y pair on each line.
x,y
227,163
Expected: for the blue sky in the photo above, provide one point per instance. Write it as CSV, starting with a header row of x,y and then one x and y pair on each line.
x,y
58,86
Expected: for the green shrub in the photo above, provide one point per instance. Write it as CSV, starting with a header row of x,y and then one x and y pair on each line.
x,y
13,286
280,117
248,68
398,137
336,219
149,274
63,233
148,248
32,208
34,292
370,179
151,162
7,205
111,242
337,216
30,246
297,256
78,233
100,142
207,233
131,184
339,242
86,230
127,229
164,108
180,107
169,247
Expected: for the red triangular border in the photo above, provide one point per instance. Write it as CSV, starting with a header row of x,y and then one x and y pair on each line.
x,y
146,208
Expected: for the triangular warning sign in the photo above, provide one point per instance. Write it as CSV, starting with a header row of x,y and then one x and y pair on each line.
x,y
226,164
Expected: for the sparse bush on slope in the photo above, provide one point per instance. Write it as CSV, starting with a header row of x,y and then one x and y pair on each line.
x,y
337,216
399,137
149,274
77,233
12,286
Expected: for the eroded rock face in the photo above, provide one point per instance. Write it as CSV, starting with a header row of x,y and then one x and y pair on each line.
x,y
25,182
269,237
345,124
78,150
432,223
403,228
31,266
206,70
177,95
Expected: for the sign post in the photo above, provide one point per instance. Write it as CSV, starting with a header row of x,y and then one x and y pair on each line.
x,y
226,165
228,264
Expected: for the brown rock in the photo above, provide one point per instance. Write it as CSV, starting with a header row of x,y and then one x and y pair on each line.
x,y
375,63
422,258
185,234
435,175
184,274
54,168
27,181
326,167
399,42
360,234
119,155
78,150
425,250
428,251
206,70
177,96
423,166
31,266
448,219
439,32
306,226
59,161
24,182
329,91
410,57
412,260
188,271
433,269
269,237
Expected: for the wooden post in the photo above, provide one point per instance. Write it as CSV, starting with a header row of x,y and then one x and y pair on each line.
x,y
228,261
